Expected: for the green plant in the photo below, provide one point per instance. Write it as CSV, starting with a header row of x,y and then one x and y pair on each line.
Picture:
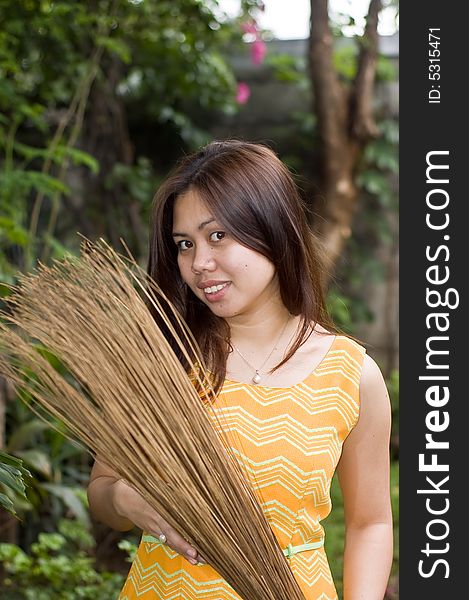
x,y
12,478
67,66
361,265
59,565
58,468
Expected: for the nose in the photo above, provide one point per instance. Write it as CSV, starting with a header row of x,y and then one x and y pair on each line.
x,y
203,259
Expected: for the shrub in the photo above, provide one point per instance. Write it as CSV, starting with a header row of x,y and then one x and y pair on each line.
x,y
59,566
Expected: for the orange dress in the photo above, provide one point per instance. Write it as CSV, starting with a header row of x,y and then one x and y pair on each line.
x,y
289,441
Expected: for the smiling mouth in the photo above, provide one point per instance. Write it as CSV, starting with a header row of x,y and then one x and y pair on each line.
x,y
215,288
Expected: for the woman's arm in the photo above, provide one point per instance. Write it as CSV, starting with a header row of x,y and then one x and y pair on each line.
x,y
105,489
364,476
115,503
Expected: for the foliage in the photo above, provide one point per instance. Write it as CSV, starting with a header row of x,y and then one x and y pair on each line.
x,y
176,62
150,59
346,64
12,477
380,162
30,164
360,266
154,64
129,547
155,58
60,62
138,183
59,466
340,309
59,565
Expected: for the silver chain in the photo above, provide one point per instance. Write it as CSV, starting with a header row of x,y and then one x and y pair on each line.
x,y
256,378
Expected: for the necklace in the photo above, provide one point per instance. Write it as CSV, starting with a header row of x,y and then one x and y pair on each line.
x,y
257,378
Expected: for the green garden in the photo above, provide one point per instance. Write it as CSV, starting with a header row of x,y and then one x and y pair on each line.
x,y
98,100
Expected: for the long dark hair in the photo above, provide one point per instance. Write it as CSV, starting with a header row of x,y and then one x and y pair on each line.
x,y
251,193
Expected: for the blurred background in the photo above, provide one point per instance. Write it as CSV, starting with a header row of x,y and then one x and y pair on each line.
x,y
98,99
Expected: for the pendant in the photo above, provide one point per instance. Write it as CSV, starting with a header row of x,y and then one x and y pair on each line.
x,y
256,378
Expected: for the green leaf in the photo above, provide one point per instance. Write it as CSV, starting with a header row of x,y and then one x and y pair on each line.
x,y
15,556
7,504
116,46
339,307
76,532
46,183
345,61
373,182
58,249
18,180
6,459
385,69
50,357
13,231
12,479
37,460
129,548
13,474
48,541
25,433
30,152
287,68
70,498
79,157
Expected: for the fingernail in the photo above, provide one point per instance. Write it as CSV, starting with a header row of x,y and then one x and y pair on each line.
x,y
192,553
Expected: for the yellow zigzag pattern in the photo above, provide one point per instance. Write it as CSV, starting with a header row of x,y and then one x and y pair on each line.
x,y
168,585
288,441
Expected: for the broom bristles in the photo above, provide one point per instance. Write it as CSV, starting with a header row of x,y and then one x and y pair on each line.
x,y
127,397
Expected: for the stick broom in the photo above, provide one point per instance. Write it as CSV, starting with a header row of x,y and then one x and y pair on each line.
x,y
127,397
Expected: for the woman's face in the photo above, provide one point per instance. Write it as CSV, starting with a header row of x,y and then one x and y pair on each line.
x,y
228,277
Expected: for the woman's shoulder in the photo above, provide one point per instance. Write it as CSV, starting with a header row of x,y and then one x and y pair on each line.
x,y
340,341
374,398
372,377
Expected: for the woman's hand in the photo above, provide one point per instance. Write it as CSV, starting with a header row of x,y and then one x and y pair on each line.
x,y
129,504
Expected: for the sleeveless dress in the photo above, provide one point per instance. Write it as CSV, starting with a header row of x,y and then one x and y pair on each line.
x,y
289,441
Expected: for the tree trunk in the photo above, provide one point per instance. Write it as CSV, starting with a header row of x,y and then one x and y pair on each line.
x,y
107,138
345,125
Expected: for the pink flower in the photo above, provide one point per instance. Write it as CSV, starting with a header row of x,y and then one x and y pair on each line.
x,y
258,51
243,93
249,27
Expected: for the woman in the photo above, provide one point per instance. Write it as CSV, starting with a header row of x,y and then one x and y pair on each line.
x,y
231,248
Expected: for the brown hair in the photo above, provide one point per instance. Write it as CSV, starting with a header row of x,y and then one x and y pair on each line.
x,y
253,194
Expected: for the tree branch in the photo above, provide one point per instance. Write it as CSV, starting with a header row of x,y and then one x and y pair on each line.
x,y
362,123
329,96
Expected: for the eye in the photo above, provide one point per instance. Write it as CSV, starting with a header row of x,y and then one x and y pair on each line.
x,y
183,245
217,236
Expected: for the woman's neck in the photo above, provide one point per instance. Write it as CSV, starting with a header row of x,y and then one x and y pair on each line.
x,y
255,332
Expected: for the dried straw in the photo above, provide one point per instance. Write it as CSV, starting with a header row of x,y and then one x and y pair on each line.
x,y
127,397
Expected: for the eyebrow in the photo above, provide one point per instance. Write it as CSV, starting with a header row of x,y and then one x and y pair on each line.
x,y
200,227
